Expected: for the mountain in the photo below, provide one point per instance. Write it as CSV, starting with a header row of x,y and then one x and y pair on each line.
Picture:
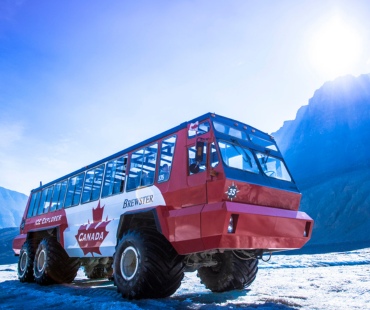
x,y
6,241
327,150
12,206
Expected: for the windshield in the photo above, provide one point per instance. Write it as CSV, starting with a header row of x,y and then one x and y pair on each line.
x,y
273,167
266,142
240,157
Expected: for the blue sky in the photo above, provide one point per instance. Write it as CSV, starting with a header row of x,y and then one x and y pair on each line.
x,y
80,80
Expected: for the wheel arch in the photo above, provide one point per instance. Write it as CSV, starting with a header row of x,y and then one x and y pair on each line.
x,y
139,218
40,234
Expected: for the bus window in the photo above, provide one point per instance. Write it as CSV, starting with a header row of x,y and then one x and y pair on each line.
x,y
54,199
114,178
194,165
197,130
36,205
58,196
63,191
165,164
142,167
263,142
230,131
149,165
33,205
74,190
42,201
92,186
134,176
45,200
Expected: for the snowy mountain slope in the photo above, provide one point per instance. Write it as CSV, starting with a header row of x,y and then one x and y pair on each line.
x,y
329,135
327,152
6,239
12,206
326,281
340,206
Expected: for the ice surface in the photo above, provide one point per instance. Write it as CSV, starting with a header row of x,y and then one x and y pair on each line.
x,y
322,281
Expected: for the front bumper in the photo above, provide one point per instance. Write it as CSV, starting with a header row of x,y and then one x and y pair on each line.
x,y
205,227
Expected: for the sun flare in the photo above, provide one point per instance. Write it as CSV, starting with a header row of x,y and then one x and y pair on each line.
x,y
335,48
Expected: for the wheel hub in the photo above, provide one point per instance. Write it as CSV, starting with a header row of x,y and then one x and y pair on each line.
x,y
41,261
23,262
129,263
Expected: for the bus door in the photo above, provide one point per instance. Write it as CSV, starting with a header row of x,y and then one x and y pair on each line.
x,y
197,173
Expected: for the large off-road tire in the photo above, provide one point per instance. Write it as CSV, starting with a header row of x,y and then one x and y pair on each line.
x,y
231,273
25,262
52,264
146,265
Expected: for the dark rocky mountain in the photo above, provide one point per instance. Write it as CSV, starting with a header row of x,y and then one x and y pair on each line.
x,y
6,241
12,205
327,150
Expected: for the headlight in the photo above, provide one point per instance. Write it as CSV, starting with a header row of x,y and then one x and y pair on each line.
x,y
230,228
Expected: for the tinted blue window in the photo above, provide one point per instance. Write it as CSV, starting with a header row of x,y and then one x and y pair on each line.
x,y
114,178
165,164
142,167
92,186
33,203
74,190
36,205
58,196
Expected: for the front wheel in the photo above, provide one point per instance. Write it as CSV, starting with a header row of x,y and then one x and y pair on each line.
x,y
231,273
146,265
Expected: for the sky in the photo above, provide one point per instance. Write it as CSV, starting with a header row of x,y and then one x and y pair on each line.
x,y
81,80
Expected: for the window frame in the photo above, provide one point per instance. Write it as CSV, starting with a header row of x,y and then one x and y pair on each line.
x,y
92,185
191,161
138,165
111,183
165,161
73,203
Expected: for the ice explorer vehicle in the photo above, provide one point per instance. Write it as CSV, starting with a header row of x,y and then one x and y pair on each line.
x,y
211,195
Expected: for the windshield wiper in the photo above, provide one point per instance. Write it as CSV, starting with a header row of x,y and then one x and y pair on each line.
x,y
249,159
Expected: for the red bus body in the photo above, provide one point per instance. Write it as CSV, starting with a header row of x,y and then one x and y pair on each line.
x,y
197,208
225,187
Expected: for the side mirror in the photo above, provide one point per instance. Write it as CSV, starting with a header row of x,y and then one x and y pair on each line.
x,y
194,168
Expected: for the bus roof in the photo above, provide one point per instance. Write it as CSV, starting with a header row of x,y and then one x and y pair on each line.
x,y
164,134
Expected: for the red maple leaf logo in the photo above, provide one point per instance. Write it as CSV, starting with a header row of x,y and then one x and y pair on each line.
x,y
91,235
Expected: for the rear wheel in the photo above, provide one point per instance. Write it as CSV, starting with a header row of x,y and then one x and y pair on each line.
x,y
231,273
146,265
52,264
25,262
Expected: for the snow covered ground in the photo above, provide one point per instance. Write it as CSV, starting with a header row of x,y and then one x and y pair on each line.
x,y
321,281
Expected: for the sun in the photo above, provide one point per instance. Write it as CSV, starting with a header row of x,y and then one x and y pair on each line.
x,y
335,48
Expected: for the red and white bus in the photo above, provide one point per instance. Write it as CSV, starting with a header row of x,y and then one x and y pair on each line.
x,y
211,195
